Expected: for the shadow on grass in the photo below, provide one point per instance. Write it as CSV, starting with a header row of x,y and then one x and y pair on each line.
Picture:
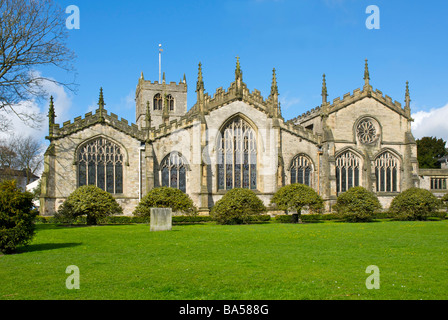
x,y
45,246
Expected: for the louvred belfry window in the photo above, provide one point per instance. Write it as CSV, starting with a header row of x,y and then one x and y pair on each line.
x,y
237,156
100,163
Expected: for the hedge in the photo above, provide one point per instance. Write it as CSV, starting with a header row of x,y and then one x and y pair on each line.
x,y
126,220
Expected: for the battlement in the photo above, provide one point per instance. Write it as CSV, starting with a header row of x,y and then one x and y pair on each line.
x,y
306,115
233,93
183,122
90,119
301,131
156,86
357,95
350,98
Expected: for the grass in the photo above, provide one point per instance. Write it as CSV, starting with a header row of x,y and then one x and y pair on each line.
x,y
263,261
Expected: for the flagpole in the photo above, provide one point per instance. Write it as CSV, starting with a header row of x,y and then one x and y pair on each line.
x,y
160,63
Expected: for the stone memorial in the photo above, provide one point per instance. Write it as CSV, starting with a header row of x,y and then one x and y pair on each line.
x,y
161,219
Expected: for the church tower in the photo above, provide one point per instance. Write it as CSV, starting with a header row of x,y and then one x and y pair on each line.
x,y
167,101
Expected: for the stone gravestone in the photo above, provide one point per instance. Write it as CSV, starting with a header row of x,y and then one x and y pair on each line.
x,y
161,219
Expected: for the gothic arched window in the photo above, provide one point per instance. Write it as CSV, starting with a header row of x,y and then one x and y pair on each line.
x,y
237,156
301,170
170,102
347,171
386,172
158,102
100,163
173,168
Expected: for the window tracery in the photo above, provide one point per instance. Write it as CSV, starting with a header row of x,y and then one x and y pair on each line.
x,y
301,170
237,156
100,163
347,171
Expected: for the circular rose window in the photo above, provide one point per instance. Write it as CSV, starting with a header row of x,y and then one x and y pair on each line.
x,y
366,131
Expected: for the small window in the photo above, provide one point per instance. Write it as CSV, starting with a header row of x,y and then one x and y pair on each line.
x,y
438,184
158,102
170,102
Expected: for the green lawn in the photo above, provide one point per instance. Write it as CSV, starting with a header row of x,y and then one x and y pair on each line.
x,y
263,261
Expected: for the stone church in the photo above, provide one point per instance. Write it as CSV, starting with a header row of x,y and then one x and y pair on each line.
x,y
235,139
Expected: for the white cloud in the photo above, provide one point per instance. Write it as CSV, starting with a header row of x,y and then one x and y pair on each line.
x,y
432,123
286,101
62,104
129,100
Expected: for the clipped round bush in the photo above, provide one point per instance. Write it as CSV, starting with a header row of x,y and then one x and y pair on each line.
x,y
16,217
165,197
357,204
414,204
89,201
297,196
237,206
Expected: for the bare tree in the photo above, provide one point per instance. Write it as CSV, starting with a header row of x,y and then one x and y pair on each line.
x,y
32,35
7,155
29,155
21,153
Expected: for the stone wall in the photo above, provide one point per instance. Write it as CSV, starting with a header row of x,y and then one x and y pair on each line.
x,y
61,169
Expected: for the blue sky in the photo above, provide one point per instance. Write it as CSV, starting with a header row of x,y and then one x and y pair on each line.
x,y
117,40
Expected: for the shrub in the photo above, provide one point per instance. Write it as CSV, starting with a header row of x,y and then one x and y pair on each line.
x,y
445,200
16,217
237,206
89,201
414,204
295,197
165,197
357,205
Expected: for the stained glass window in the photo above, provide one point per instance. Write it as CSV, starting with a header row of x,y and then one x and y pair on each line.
x,y
100,163
386,172
173,170
237,156
301,170
347,171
